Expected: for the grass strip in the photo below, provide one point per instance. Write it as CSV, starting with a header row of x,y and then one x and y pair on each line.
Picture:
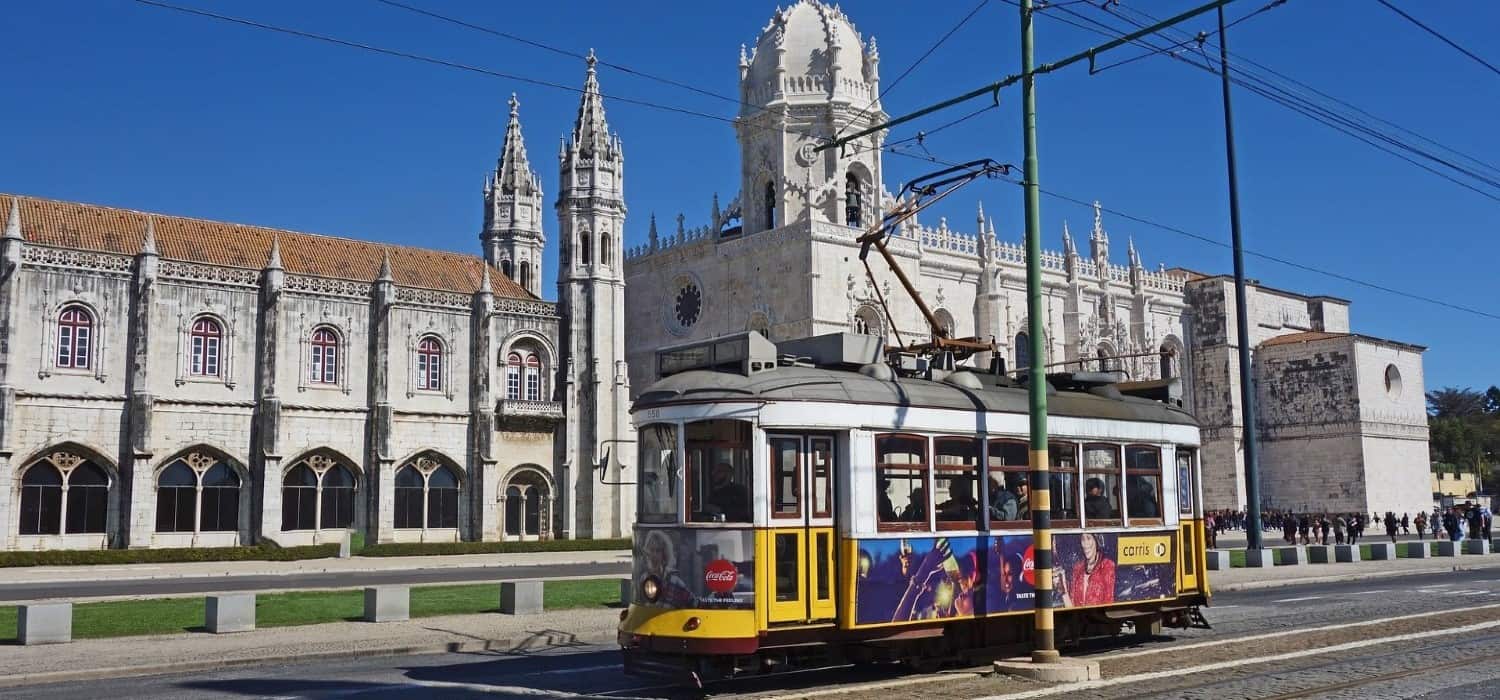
x,y
123,618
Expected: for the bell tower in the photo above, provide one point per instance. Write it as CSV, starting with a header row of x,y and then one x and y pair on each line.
x,y
598,446
512,235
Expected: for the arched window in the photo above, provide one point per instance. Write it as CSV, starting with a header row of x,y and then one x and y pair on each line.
x,y
533,511
583,248
513,376
533,378
426,495
1168,359
604,249
867,321
1023,351
1106,359
317,493
853,201
221,500
204,343
41,500
176,498
75,338
88,498
770,204
429,364
514,502
506,269
526,275
325,356
945,322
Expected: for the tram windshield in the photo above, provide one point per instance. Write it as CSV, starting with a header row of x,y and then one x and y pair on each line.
x,y
719,471
657,501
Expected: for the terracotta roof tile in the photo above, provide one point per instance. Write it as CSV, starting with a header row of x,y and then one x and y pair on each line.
x,y
110,230
1302,337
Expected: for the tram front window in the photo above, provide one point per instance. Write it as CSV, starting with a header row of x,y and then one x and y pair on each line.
x,y
1143,482
718,473
657,500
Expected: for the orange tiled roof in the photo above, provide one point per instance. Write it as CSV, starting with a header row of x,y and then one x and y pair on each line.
x,y
1301,337
110,230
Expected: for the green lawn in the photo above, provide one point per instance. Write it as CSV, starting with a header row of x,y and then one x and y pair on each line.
x,y
168,615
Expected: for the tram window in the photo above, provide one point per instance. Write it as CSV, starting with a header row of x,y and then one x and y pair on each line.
x,y
718,471
1143,482
820,451
955,478
901,482
1010,492
1101,484
1062,484
786,477
1185,480
657,498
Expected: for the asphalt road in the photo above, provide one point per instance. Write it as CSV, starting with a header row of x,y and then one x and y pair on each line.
x,y
218,584
1424,663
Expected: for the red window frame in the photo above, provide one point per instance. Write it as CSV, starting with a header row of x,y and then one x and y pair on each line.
x,y
75,338
205,343
533,382
970,470
785,506
1002,468
820,451
513,377
325,356
924,468
430,364
1056,453
1118,473
1143,471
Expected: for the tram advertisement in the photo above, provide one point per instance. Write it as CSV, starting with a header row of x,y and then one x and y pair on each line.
x,y
698,568
901,580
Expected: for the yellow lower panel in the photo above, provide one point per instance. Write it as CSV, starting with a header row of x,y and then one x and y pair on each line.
x,y
713,624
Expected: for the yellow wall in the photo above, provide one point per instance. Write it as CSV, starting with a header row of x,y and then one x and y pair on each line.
x,y
1455,485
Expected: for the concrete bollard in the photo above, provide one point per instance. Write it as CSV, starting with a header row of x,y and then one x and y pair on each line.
x,y
1415,550
521,597
627,591
1381,551
1291,556
1476,547
387,603
1218,560
1448,548
229,613
1320,554
1260,558
1346,553
346,545
44,623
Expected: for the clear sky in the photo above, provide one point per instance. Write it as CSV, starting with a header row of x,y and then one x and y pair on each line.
x,y
113,102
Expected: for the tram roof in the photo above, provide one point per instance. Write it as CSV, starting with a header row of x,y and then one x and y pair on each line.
x,y
816,384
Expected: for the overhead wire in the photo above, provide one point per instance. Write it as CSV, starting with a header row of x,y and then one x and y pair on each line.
x,y
884,90
894,149
1455,45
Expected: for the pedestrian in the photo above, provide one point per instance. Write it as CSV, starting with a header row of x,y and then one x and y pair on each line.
x,y
1327,526
1289,530
1405,524
1421,523
1390,525
1210,530
1304,528
1489,522
1339,526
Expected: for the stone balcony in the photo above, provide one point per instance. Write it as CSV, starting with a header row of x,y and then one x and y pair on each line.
x,y
515,414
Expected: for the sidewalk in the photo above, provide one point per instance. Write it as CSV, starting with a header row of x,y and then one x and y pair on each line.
x,y
136,572
1247,578
182,653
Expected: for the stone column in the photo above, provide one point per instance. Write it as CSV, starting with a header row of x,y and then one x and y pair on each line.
x,y
136,480
265,455
483,484
379,473
10,292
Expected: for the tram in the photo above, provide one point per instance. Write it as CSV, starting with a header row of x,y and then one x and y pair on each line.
x,y
818,502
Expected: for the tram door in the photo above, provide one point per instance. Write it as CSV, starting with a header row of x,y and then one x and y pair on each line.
x,y
1191,536
801,544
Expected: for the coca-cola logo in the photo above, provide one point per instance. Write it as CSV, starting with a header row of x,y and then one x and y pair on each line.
x,y
1028,566
720,576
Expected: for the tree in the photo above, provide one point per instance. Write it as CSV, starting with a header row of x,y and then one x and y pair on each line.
x,y
1492,401
1453,402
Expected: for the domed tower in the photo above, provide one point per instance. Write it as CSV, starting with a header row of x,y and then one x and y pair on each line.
x,y
809,78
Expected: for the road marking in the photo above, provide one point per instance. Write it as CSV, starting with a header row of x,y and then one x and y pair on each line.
x,y
1224,607
585,669
1378,590
1218,666
517,691
1288,633
1297,600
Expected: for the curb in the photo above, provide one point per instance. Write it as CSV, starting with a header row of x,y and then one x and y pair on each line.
x,y
467,646
1335,578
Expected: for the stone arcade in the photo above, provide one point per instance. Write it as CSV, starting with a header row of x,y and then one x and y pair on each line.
x,y
167,381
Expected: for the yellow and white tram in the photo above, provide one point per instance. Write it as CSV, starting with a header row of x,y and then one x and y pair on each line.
x,y
810,503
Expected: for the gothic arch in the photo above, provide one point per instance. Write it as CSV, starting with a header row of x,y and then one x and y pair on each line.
x,y
858,203
945,321
1023,330
1171,366
82,449
327,452
203,448
63,459
1104,354
549,351
525,498
606,249
436,455
867,320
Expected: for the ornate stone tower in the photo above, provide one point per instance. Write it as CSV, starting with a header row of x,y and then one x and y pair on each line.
x,y
598,445
512,235
809,78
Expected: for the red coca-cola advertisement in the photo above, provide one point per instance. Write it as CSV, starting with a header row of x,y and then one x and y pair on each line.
x,y
720,576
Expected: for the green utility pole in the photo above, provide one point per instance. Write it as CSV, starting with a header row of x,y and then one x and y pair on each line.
x,y
1241,315
1044,642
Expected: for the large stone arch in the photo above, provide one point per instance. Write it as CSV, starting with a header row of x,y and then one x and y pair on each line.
x,y
200,457
1171,363
320,460
526,493
64,456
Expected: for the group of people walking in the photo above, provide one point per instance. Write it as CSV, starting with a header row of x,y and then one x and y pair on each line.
x,y
1456,522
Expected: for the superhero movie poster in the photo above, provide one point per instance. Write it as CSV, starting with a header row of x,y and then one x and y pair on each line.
x,y
900,580
697,568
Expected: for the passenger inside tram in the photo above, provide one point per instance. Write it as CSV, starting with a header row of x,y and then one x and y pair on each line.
x,y
916,510
730,498
961,504
1096,505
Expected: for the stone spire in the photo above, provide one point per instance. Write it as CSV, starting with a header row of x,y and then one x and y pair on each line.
x,y
590,130
981,218
13,222
1070,254
1098,238
653,234
1135,258
513,174
385,267
148,246
273,261
716,216
486,289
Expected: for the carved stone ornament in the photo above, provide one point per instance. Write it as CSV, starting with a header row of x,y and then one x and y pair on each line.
x,y
320,463
199,461
65,461
426,465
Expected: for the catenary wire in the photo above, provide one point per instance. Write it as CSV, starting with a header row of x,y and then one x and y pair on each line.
x,y
930,50
1440,37
893,150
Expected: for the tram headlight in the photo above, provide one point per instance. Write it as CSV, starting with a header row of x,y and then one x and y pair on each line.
x,y
651,589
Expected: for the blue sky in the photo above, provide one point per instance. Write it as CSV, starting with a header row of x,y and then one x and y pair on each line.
x,y
112,102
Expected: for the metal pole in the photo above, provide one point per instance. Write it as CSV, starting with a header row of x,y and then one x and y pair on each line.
x,y
1241,314
1044,643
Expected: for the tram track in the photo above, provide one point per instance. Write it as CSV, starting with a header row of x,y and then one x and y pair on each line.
x,y
1384,678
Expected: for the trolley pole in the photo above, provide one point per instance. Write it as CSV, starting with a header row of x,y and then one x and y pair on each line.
x,y
1241,314
1044,642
